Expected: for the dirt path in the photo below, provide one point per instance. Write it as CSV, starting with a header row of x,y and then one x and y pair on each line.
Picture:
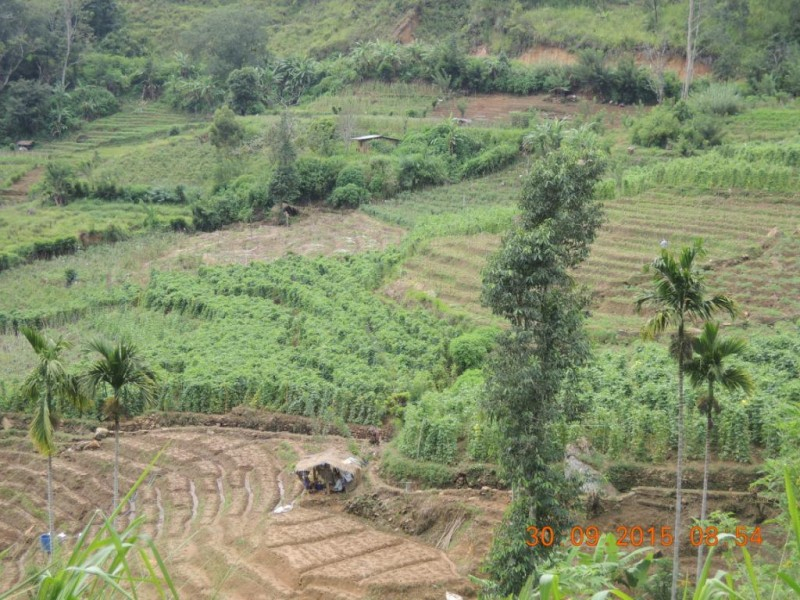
x,y
18,192
209,505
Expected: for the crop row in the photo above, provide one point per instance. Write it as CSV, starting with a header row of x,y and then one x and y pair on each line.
x,y
297,335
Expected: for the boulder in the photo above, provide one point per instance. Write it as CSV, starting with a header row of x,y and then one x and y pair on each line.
x,y
101,433
90,445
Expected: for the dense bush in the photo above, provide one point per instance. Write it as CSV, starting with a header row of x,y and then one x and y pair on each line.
x,y
433,427
490,160
53,248
417,170
284,186
250,90
428,474
317,177
348,196
469,350
194,94
680,124
382,177
91,102
629,401
113,192
658,129
226,132
25,109
221,209
718,99
351,174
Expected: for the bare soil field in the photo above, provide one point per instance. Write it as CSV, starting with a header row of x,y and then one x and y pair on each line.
x,y
315,232
488,108
554,55
210,501
209,506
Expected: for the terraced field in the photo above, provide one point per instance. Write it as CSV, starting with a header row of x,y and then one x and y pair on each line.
x,y
137,122
209,506
754,255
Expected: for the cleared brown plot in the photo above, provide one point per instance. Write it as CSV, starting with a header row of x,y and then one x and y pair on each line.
x,y
483,108
209,505
316,232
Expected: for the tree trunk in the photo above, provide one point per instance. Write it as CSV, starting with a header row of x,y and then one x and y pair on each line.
x,y
50,498
704,501
687,78
676,554
116,462
69,32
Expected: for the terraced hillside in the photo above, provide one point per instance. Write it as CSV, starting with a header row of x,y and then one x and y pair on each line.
x,y
136,122
209,506
753,255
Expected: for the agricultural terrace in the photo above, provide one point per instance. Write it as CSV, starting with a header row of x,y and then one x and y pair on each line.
x,y
250,311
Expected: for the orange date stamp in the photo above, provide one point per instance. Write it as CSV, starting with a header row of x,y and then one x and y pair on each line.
x,y
637,536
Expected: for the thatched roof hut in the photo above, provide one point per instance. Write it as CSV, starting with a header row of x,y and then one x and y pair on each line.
x,y
329,470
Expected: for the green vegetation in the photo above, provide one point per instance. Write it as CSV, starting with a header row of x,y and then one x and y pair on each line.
x,y
707,368
678,296
48,388
528,283
270,336
94,223
120,368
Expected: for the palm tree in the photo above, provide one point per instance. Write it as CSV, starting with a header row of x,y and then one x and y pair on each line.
x,y
47,387
707,368
121,368
678,295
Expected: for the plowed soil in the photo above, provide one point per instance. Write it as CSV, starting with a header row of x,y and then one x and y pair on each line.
x,y
488,108
315,232
209,505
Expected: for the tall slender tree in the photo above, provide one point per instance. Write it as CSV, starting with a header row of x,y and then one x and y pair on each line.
x,y
707,368
679,297
47,387
529,283
121,368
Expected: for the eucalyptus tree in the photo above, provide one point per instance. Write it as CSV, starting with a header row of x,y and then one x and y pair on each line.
x,y
121,368
707,368
47,387
679,298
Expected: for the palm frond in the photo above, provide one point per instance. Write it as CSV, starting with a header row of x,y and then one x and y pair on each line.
x,y
657,324
734,378
724,304
710,353
35,338
120,367
41,429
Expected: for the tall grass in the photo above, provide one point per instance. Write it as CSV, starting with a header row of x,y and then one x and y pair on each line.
x,y
712,171
718,99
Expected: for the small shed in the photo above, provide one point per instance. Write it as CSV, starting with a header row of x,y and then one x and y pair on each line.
x,y
329,471
25,145
364,140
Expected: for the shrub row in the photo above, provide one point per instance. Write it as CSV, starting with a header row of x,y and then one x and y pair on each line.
x,y
269,335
